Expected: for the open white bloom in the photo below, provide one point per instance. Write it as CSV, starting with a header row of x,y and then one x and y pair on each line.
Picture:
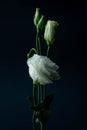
x,y
42,69
50,31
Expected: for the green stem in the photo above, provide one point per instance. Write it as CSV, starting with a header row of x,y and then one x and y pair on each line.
x,y
41,93
34,123
38,94
37,43
34,99
38,46
48,48
29,54
44,92
34,95
42,126
42,98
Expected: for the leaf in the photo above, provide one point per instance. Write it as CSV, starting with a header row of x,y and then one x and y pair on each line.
x,y
45,104
48,100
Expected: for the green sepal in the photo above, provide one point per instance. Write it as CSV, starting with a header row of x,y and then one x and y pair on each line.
x,y
35,83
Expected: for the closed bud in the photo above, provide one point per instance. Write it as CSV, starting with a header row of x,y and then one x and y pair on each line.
x,y
37,16
50,31
41,23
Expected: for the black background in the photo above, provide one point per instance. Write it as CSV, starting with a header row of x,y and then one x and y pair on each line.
x,y
17,36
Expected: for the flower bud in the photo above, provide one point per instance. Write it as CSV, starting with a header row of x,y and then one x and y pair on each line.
x,y
50,31
37,16
41,23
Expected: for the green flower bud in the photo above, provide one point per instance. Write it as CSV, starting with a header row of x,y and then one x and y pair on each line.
x,y
50,31
41,23
37,16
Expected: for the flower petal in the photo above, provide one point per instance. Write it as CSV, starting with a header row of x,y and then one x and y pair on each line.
x,y
42,69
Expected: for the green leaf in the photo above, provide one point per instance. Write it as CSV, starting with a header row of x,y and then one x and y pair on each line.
x,y
48,100
45,104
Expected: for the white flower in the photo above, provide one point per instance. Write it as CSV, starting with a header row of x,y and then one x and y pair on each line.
x,y
50,30
42,69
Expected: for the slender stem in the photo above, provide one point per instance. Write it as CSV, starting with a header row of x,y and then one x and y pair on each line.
x,y
38,46
42,98
34,99
44,92
29,54
34,123
41,93
48,48
42,126
34,95
38,94
37,43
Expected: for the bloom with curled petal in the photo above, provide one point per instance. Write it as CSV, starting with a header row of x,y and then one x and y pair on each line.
x,y
42,70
